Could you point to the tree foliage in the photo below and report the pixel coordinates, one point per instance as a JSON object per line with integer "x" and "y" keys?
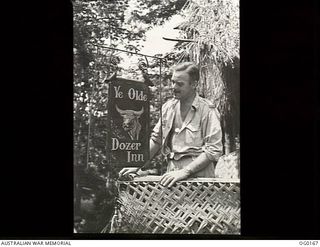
{"x": 155, "y": 12}
{"x": 213, "y": 27}
{"x": 123, "y": 24}
{"x": 119, "y": 24}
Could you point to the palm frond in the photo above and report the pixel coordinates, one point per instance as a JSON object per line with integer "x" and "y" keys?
{"x": 214, "y": 26}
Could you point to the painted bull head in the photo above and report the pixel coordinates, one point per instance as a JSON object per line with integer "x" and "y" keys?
{"x": 130, "y": 122}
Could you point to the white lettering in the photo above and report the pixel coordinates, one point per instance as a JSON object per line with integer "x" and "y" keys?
{"x": 119, "y": 94}
{"x": 137, "y": 95}
{"x": 115, "y": 144}
{"x": 131, "y": 93}
{"x": 134, "y": 157}
{"x": 124, "y": 145}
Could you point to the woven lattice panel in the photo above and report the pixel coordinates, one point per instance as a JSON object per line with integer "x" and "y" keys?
{"x": 195, "y": 206}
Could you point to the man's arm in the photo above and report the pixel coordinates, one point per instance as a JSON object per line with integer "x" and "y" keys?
{"x": 212, "y": 136}
{"x": 198, "y": 164}
{"x": 154, "y": 148}
{"x": 212, "y": 150}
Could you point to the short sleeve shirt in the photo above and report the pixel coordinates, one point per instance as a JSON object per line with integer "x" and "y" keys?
{"x": 199, "y": 132}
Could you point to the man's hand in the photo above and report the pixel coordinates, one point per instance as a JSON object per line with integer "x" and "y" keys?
{"x": 171, "y": 177}
{"x": 134, "y": 171}
{"x": 127, "y": 171}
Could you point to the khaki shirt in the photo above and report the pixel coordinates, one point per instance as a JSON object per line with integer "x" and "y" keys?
{"x": 200, "y": 132}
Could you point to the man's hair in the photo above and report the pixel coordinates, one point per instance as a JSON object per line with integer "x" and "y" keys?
{"x": 190, "y": 68}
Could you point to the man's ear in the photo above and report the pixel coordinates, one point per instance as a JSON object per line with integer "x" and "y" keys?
{"x": 195, "y": 84}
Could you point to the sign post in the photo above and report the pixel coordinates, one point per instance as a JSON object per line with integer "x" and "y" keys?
{"x": 129, "y": 123}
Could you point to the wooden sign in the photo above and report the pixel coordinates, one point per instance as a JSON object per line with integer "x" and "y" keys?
{"x": 129, "y": 123}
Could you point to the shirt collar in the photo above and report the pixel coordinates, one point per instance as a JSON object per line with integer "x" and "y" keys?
{"x": 195, "y": 103}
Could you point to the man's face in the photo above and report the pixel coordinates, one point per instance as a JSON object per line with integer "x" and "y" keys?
{"x": 182, "y": 85}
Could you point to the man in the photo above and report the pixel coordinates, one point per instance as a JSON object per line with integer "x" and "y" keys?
{"x": 191, "y": 132}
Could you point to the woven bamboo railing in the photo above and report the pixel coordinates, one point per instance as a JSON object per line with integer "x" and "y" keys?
{"x": 199, "y": 205}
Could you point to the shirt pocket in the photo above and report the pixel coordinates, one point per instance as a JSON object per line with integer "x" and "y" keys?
{"x": 193, "y": 135}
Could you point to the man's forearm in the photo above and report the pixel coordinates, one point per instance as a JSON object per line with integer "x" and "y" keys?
{"x": 198, "y": 164}
{"x": 154, "y": 148}
{"x": 169, "y": 178}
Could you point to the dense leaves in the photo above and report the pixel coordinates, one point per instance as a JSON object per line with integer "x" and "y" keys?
{"x": 213, "y": 27}
{"x": 97, "y": 25}
{"x": 122, "y": 24}
{"x": 155, "y": 11}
